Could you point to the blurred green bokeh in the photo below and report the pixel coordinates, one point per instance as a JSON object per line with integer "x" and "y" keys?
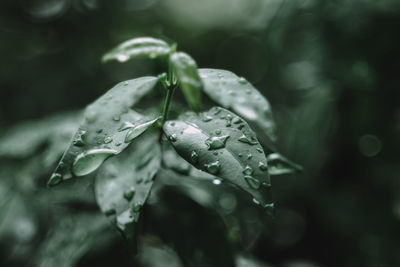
{"x": 330, "y": 69}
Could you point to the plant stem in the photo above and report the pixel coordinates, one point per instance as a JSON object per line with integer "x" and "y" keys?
{"x": 170, "y": 91}
{"x": 167, "y": 102}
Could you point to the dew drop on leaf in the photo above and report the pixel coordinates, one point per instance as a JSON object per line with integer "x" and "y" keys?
{"x": 217, "y": 142}
{"x": 89, "y": 161}
{"x": 137, "y": 207}
{"x": 269, "y": 209}
{"x": 253, "y": 183}
{"x": 55, "y": 179}
{"x": 213, "y": 167}
{"x": 242, "y": 80}
{"x": 108, "y": 140}
{"x": 125, "y": 126}
{"x": 194, "y": 156}
{"x": 246, "y": 140}
{"x": 262, "y": 166}
{"x": 129, "y": 193}
{"x": 207, "y": 118}
{"x": 217, "y": 181}
{"x": 173, "y": 138}
{"x": 248, "y": 170}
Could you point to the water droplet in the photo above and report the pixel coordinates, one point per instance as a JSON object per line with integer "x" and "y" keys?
{"x": 137, "y": 207}
{"x": 259, "y": 150}
{"x": 110, "y": 211}
{"x": 246, "y": 140}
{"x": 249, "y": 156}
{"x": 262, "y": 166}
{"x": 122, "y": 57}
{"x": 55, "y": 179}
{"x": 248, "y": 170}
{"x": 118, "y": 144}
{"x": 240, "y": 155}
{"x": 173, "y": 138}
{"x": 213, "y": 167}
{"x": 138, "y": 130}
{"x": 194, "y": 156}
{"x": 116, "y": 118}
{"x": 236, "y": 120}
{"x": 219, "y": 75}
{"x": 217, "y": 111}
{"x": 129, "y": 193}
{"x": 215, "y": 153}
{"x": 89, "y": 161}
{"x": 242, "y": 80}
{"x": 217, "y": 142}
{"x": 255, "y": 201}
{"x": 100, "y": 130}
{"x": 108, "y": 140}
{"x": 240, "y": 127}
{"x": 217, "y": 181}
{"x": 218, "y": 132}
{"x": 125, "y": 126}
{"x": 253, "y": 183}
{"x": 269, "y": 209}
{"x": 207, "y": 118}
{"x": 266, "y": 185}
{"x": 126, "y": 83}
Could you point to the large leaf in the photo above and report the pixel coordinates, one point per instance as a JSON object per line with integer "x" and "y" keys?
{"x": 237, "y": 94}
{"x": 138, "y": 47}
{"x": 123, "y": 184}
{"x": 108, "y": 126}
{"x": 222, "y": 144}
{"x": 26, "y": 138}
{"x": 185, "y": 69}
{"x": 278, "y": 164}
{"x": 71, "y": 239}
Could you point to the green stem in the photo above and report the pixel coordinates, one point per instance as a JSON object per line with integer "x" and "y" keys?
{"x": 167, "y": 103}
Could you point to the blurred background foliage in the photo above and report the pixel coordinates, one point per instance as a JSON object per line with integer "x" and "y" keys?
{"x": 330, "y": 69}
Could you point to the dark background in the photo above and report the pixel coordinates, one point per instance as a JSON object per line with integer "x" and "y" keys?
{"x": 330, "y": 69}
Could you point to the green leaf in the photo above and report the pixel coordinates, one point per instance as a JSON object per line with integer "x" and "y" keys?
{"x": 138, "y": 47}
{"x": 222, "y": 144}
{"x": 278, "y": 164}
{"x": 72, "y": 238}
{"x": 108, "y": 126}
{"x": 123, "y": 184}
{"x": 25, "y": 139}
{"x": 185, "y": 69}
{"x": 237, "y": 94}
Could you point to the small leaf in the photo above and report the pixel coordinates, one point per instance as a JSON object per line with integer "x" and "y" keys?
{"x": 185, "y": 69}
{"x": 231, "y": 160}
{"x": 278, "y": 164}
{"x": 138, "y": 47}
{"x": 103, "y": 132}
{"x": 123, "y": 184}
{"x": 237, "y": 94}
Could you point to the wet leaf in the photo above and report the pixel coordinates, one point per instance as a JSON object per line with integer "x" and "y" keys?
{"x": 71, "y": 239}
{"x": 240, "y": 160}
{"x": 185, "y": 69}
{"x": 278, "y": 164}
{"x": 53, "y": 132}
{"x": 123, "y": 184}
{"x": 138, "y": 47}
{"x": 102, "y": 133}
{"x": 239, "y": 95}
